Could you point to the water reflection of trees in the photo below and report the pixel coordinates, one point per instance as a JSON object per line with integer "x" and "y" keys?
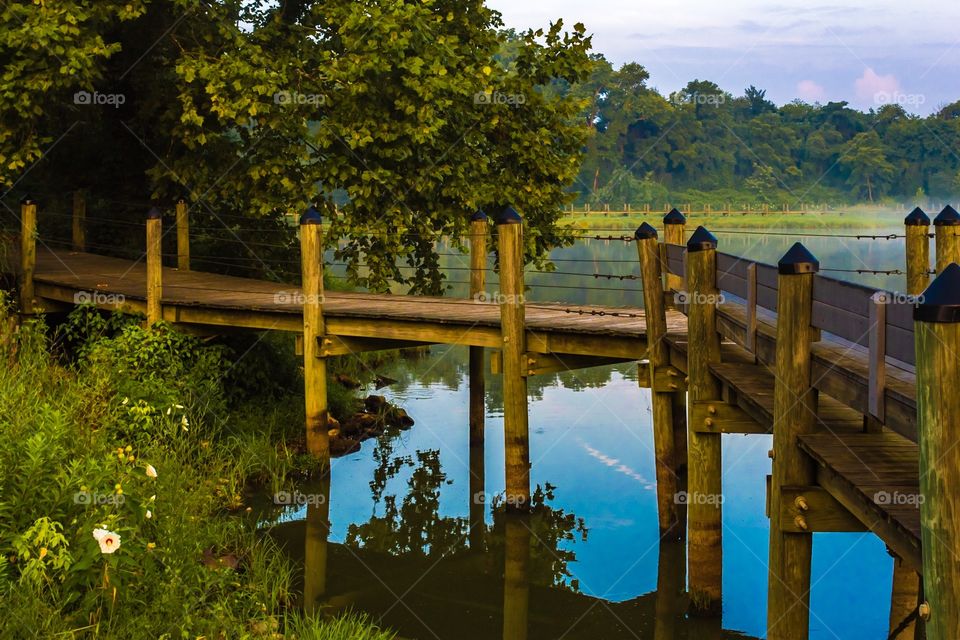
{"x": 410, "y": 524}
{"x": 447, "y": 366}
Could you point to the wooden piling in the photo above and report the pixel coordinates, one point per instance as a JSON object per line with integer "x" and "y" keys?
{"x": 917, "y": 226}
{"x": 937, "y": 331}
{"x": 904, "y": 600}
{"x": 183, "y": 236}
{"x": 704, "y": 498}
{"x": 154, "y": 266}
{"x": 674, "y": 233}
{"x": 479, "y": 231}
{"x": 512, "y": 321}
{"x": 674, "y": 230}
{"x": 947, "y": 224}
{"x": 794, "y": 414}
{"x": 905, "y": 591}
{"x": 648, "y": 249}
{"x": 28, "y": 254}
{"x": 79, "y": 220}
{"x": 314, "y": 366}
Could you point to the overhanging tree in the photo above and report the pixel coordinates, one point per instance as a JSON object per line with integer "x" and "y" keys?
{"x": 404, "y": 109}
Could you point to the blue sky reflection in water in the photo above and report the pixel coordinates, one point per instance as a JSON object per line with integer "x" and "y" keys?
{"x": 591, "y": 439}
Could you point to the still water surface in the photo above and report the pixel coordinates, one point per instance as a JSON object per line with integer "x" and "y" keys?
{"x": 401, "y": 546}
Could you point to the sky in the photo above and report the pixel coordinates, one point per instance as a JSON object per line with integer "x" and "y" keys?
{"x": 865, "y": 52}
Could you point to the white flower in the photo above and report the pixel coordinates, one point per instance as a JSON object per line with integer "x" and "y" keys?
{"x": 109, "y": 541}
{"x": 169, "y": 409}
{"x": 184, "y": 423}
{"x": 151, "y": 472}
{"x": 125, "y": 401}
{"x": 178, "y": 406}
{"x": 149, "y": 514}
{"x": 152, "y": 498}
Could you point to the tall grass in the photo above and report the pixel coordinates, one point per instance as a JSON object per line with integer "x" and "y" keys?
{"x": 133, "y": 433}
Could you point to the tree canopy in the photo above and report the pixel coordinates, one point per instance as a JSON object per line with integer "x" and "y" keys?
{"x": 705, "y": 138}
{"x": 411, "y": 114}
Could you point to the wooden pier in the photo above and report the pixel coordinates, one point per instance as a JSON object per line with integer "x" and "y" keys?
{"x": 856, "y": 385}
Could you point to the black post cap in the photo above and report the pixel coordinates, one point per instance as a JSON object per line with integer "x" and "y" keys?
{"x": 509, "y": 216}
{"x": 917, "y": 218}
{"x": 798, "y": 260}
{"x": 674, "y": 217}
{"x": 311, "y": 216}
{"x": 701, "y": 240}
{"x": 941, "y": 301}
{"x": 645, "y": 232}
{"x": 479, "y": 216}
{"x": 947, "y": 218}
{"x": 154, "y": 214}
{"x": 27, "y": 200}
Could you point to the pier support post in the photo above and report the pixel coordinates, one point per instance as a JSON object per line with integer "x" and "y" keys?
{"x": 917, "y": 226}
{"x": 154, "y": 266}
{"x": 674, "y": 230}
{"x": 937, "y": 331}
{"x": 704, "y": 499}
{"x": 648, "y": 248}
{"x": 674, "y": 233}
{"x": 314, "y": 367}
{"x": 79, "y": 219}
{"x": 905, "y": 591}
{"x": 947, "y": 224}
{"x": 512, "y": 321}
{"x": 183, "y": 236}
{"x": 315, "y": 392}
{"x": 28, "y": 254}
{"x": 479, "y": 231}
{"x": 794, "y": 414}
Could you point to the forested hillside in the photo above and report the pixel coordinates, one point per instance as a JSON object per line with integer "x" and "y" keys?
{"x": 650, "y": 147}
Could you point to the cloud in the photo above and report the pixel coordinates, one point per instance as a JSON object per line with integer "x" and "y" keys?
{"x": 871, "y": 85}
{"x": 810, "y": 91}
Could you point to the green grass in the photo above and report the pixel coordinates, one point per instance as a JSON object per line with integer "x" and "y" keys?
{"x": 856, "y": 218}
{"x": 84, "y": 414}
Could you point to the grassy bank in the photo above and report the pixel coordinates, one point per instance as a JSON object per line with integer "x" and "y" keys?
{"x": 123, "y": 478}
{"x": 863, "y": 218}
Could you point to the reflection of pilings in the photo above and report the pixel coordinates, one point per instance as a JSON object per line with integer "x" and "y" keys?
{"x": 671, "y": 587}
{"x": 479, "y": 230}
{"x": 315, "y": 545}
{"x": 516, "y": 577}
{"x": 477, "y": 500}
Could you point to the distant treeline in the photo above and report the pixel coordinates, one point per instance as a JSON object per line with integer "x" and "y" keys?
{"x": 704, "y": 140}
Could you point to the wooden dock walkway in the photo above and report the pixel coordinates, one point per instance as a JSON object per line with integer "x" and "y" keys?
{"x": 205, "y": 299}
{"x": 848, "y": 380}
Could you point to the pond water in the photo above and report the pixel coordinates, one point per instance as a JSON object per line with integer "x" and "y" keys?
{"x": 402, "y": 547}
